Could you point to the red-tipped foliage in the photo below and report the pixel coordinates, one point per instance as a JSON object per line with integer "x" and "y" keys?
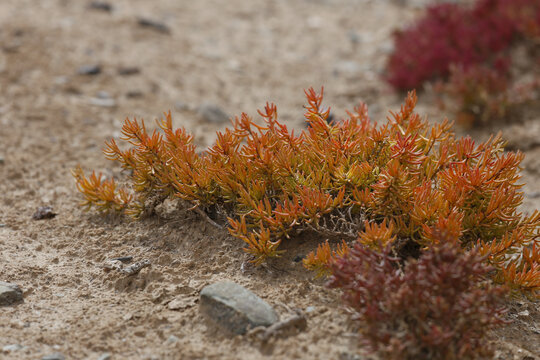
{"x": 450, "y": 34}
{"x": 436, "y": 307}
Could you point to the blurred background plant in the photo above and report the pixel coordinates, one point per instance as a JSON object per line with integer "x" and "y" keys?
{"x": 467, "y": 52}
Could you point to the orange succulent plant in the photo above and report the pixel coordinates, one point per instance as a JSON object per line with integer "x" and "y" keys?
{"x": 397, "y": 183}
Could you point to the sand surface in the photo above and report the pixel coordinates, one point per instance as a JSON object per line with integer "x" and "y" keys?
{"x": 236, "y": 54}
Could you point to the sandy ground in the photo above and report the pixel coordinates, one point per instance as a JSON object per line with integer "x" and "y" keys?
{"x": 236, "y": 54}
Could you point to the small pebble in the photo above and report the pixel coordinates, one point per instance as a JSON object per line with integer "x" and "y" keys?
{"x": 132, "y": 94}
{"x": 100, "y": 5}
{"x": 354, "y": 37}
{"x": 212, "y": 113}
{"x": 136, "y": 267}
{"x": 12, "y": 347}
{"x": 105, "y": 356}
{"x": 55, "y": 356}
{"x": 107, "y": 102}
{"x": 172, "y": 339}
{"x": 61, "y": 80}
{"x": 103, "y": 95}
{"x": 181, "y": 106}
{"x": 123, "y": 259}
{"x": 112, "y": 265}
{"x": 386, "y": 47}
{"x": 346, "y": 67}
{"x": 154, "y": 25}
{"x": 44, "y": 212}
{"x": 1, "y": 160}
{"x": 128, "y": 70}
{"x": 89, "y": 70}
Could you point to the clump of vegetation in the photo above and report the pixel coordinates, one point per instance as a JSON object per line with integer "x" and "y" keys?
{"x": 481, "y": 94}
{"x": 436, "y": 307}
{"x": 451, "y": 34}
{"x": 401, "y": 182}
{"x": 469, "y": 47}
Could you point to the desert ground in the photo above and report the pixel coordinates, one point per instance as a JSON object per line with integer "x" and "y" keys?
{"x": 71, "y": 73}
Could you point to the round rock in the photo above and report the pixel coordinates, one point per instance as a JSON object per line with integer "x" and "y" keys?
{"x": 212, "y": 113}
{"x": 9, "y": 293}
{"x": 235, "y": 308}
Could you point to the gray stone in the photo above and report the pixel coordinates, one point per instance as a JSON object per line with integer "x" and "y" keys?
{"x": 61, "y": 80}
{"x": 181, "y": 106}
{"x": 102, "y": 102}
{"x": 100, "y": 5}
{"x": 172, "y": 339}
{"x": 44, "y": 212}
{"x": 55, "y": 356}
{"x": 123, "y": 259}
{"x": 103, "y": 95}
{"x": 387, "y": 47}
{"x": 9, "y": 293}
{"x": 12, "y": 347}
{"x": 235, "y": 308}
{"x": 153, "y": 25}
{"x": 354, "y": 37}
{"x": 105, "y": 356}
{"x": 212, "y": 113}
{"x": 128, "y": 70}
{"x": 102, "y": 99}
{"x": 89, "y": 70}
{"x": 346, "y": 67}
{"x": 132, "y": 94}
